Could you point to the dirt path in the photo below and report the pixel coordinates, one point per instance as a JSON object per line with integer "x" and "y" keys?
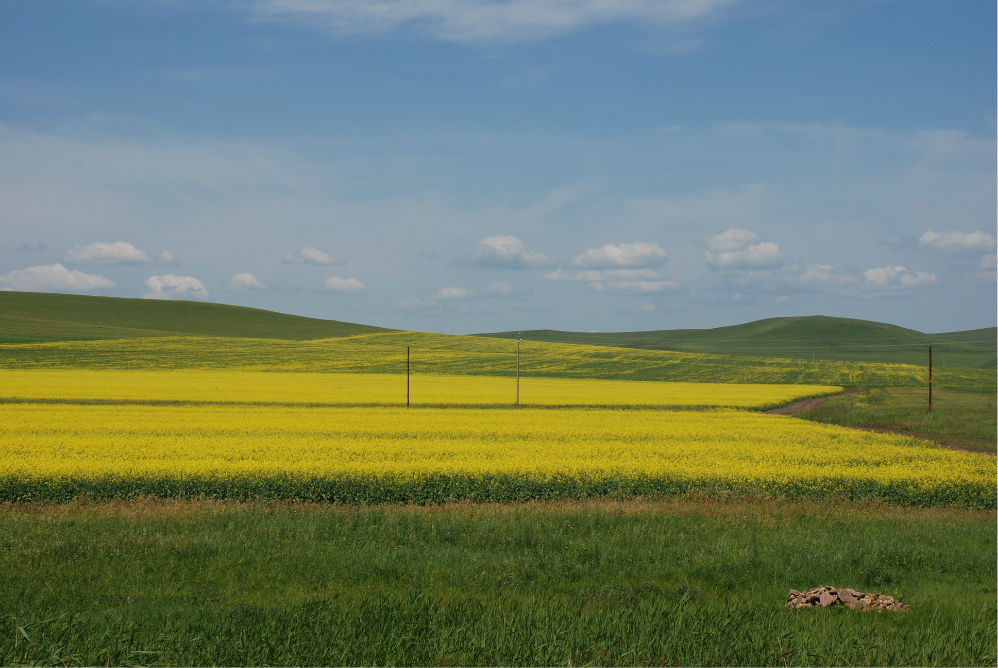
{"x": 808, "y": 404}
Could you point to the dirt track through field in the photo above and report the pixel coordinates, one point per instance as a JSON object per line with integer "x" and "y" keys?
{"x": 808, "y": 404}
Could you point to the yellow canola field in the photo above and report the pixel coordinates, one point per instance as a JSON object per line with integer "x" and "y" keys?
{"x": 383, "y": 389}
{"x": 393, "y": 455}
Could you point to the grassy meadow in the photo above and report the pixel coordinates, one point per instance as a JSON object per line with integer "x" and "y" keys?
{"x": 193, "y": 484}
{"x": 959, "y": 419}
{"x": 692, "y": 582}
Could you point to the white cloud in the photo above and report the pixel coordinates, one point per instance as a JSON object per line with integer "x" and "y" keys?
{"x": 763, "y": 255}
{"x": 168, "y": 258}
{"x": 952, "y": 241}
{"x": 503, "y": 250}
{"x": 621, "y": 280}
{"x": 174, "y": 287}
{"x": 104, "y": 253}
{"x": 347, "y": 286}
{"x": 731, "y": 250}
{"x": 734, "y": 239}
{"x": 311, "y": 255}
{"x": 637, "y": 254}
{"x": 245, "y": 282}
{"x": 821, "y": 278}
{"x": 891, "y": 278}
{"x": 450, "y": 293}
{"x": 53, "y": 278}
{"x": 482, "y": 20}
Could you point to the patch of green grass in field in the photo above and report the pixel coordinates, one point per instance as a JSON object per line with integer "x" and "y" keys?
{"x": 963, "y": 419}
{"x": 27, "y": 317}
{"x": 625, "y": 583}
{"x": 803, "y": 337}
{"x": 466, "y": 355}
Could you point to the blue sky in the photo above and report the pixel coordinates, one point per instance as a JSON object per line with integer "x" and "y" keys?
{"x": 479, "y": 166}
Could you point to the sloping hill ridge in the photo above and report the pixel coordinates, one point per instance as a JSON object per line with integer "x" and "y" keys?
{"x": 803, "y": 337}
{"x": 32, "y": 317}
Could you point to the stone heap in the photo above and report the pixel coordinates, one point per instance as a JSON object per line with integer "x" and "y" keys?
{"x": 826, "y": 596}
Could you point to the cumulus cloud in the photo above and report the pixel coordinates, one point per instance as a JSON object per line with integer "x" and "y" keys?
{"x": 53, "y": 278}
{"x": 450, "y": 293}
{"x": 821, "y": 278}
{"x": 888, "y": 278}
{"x": 311, "y": 255}
{"x": 174, "y": 287}
{"x": 621, "y": 280}
{"x": 506, "y": 251}
{"x": 482, "y": 20}
{"x": 637, "y": 254}
{"x": 734, "y": 251}
{"x": 105, "y": 253}
{"x": 347, "y": 286}
{"x": 245, "y": 282}
{"x": 953, "y": 241}
{"x": 734, "y": 239}
{"x": 167, "y": 258}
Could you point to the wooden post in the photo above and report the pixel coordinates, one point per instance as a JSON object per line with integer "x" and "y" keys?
{"x": 517, "y": 369}
{"x": 930, "y": 379}
{"x": 407, "y": 376}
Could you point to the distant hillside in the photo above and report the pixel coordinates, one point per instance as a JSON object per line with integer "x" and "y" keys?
{"x": 27, "y": 317}
{"x": 820, "y": 337}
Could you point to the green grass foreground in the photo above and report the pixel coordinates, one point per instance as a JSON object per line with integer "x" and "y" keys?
{"x": 961, "y": 419}
{"x": 603, "y": 583}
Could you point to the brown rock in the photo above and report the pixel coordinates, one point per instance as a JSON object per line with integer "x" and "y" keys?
{"x": 848, "y": 597}
{"x": 794, "y": 592}
{"x": 827, "y": 599}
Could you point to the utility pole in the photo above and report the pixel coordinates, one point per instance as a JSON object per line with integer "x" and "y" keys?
{"x": 930, "y": 379}
{"x": 517, "y": 369}
{"x": 407, "y": 376}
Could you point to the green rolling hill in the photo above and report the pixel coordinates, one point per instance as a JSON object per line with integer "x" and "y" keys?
{"x": 27, "y": 317}
{"x": 70, "y": 331}
{"x": 804, "y": 337}
{"x": 33, "y": 317}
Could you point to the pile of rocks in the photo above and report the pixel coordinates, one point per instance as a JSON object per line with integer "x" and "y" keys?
{"x": 826, "y": 596}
